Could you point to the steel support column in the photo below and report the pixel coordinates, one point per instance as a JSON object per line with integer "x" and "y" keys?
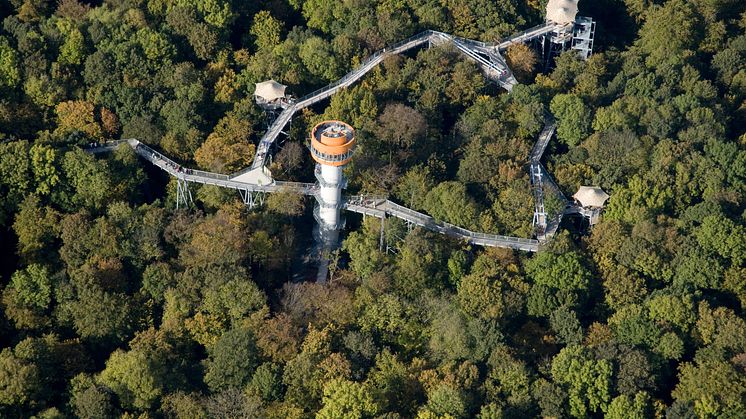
{"x": 252, "y": 198}
{"x": 183, "y": 194}
{"x": 381, "y": 240}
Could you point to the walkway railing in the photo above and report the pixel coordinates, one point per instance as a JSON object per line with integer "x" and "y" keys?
{"x": 203, "y": 177}
{"x": 526, "y": 35}
{"x": 379, "y": 207}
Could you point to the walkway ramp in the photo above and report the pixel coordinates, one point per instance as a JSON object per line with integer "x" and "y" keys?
{"x": 552, "y": 186}
{"x": 546, "y": 134}
{"x": 203, "y": 177}
{"x": 380, "y": 207}
{"x": 527, "y": 35}
{"x": 488, "y": 59}
{"x": 543, "y": 184}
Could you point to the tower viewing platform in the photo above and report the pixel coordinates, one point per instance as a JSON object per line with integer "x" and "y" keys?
{"x": 332, "y": 143}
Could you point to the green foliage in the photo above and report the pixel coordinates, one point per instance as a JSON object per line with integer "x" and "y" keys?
{"x": 45, "y": 168}
{"x": 714, "y": 387}
{"x": 266, "y": 29}
{"x": 670, "y": 30}
{"x": 670, "y": 346}
{"x": 567, "y": 326}
{"x": 392, "y": 385}
{"x": 72, "y": 50}
{"x": 365, "y": 257}
{"x": 98, "y": 314}
{"x": 156, "y": 279}
{"x": 10, "y": 75}
{"x": 414, "y": 186}
{"x": 19, "y": 379}
{"x": 89, "y": 399}
{"x": 633, "y": 408}
{"x": 346, "y": 399}
{"x": 232, "y": 361}
{"x": 672, "y": 310}
{"x": 566, "y": 272}
{"x": 140, "y": 376}
{"x": 266, "y": 382}
{"x": 488, "y": 292}
{"x": 508, "y": 379}
{"x": 33, "y": 286}
{"x": 16, "y": 170}
{"x": 421, "y": 264}
{"x": 631, "y": 324}
{"x": 317, "y": 57}
{"x": 573, "y": 116}
{"x": 550, "y": 397}
{"x": 37, "y": 228}
{"x": 449, "y": 338}
{"x": 588, "y": 380}
{"x": 133, "y": 378}
{"x": 357, "y": 105}
{"x": 90, "y": 179}
{"x": 446, "y": 400}
{"x": 724, "y": 237}
{"x": 449, "y": 202}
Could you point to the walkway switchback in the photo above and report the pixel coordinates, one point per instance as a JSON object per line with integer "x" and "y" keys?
{"x": 542, "y": 182}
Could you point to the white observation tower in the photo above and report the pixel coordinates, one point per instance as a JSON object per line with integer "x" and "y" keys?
{"x": 332, "y": 145}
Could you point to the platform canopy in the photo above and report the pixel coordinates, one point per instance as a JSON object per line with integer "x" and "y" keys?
{"x": 562, "y": 11}
{"x": 591, "y": 196}
{"x": 270, "y": 90}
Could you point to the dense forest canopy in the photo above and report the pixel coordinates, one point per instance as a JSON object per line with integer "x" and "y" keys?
{"x": 116, "y": 304}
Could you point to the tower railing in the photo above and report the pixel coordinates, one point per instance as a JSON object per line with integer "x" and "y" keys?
{"x": 340, "y": 225}
{"x": 335, "y": 158}
{"x": 342, "y": 184}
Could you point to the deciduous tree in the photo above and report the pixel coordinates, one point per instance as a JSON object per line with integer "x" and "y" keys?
{"x": 574, "y": 118}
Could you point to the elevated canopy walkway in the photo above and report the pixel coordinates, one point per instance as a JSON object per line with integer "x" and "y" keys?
{"x": 527, "y": 35}
{"x": 381, "y": 207}
{"x": 544, "y": 136}
{"x": 542, "y": 183}
{"x": 203, "y": 177}
{"x": 256, "y": 179}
